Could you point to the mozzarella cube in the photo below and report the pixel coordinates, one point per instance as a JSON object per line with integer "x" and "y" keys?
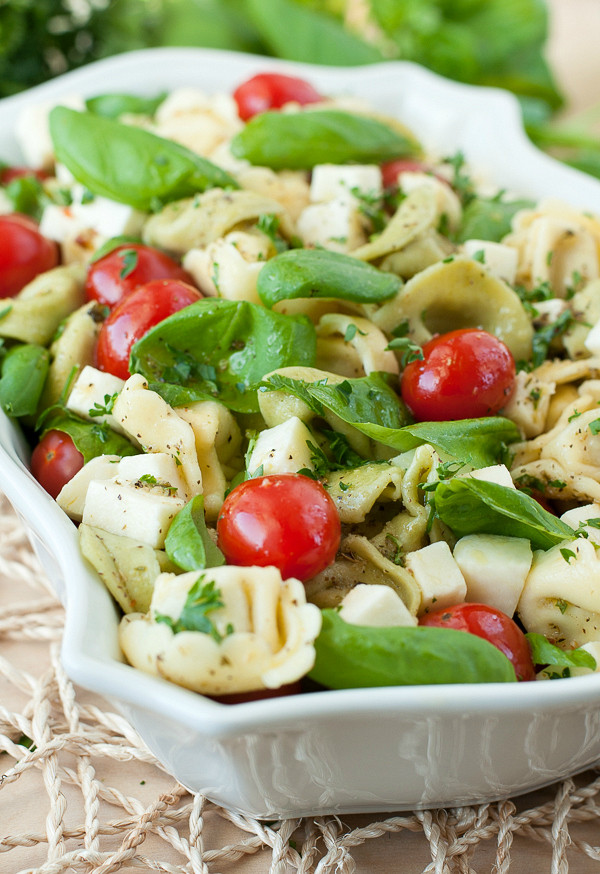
{"x": 496, "y": 473}
{"x": 375, "y": 606}
{"x": 107, "y": 217}
{"x": 438, "y": 576}
{"x": 159, "y": 467}
{"x": 336, "y": 225}
{"x": 94, "y": 389}
{"x": 344, "y": 181}
{"x": 131, "y": 509}
{"x": 495, "y": 568}
{"x": 500, "y": 260}
{"x": 72, "y": 496}
{"x": 282, "y": 449}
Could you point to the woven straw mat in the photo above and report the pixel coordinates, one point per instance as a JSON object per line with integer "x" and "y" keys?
{"x": 79, "y": 792}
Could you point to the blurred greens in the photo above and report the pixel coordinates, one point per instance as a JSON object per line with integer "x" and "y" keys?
{"x": 487, "y": 42}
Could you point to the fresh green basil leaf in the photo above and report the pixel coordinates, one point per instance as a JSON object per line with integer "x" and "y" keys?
{"x": 24, "y": 371}
{"x": 489, "y": 218}
{"x": 473, "y": 506}
{"x": 91, "y": 438}
{"x": 374, "y": 409}
{"x": 114, "y": 105}
{"x": 188, "y": 543}
{"x": 320, "y": 273}
{"x": 545, "y": 653}
{"x": 111, "y": 244}
{"x": 355, "y": 656}
{"x": 129, "y": 164}
{"x": 300, "y": 140}
{"x": 220, "y": 349}
{"x": 27, "y": 195}
{"x": 309, "y": 35}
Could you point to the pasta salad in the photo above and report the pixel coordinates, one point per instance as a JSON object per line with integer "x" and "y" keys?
{"x": 322, "y": 406}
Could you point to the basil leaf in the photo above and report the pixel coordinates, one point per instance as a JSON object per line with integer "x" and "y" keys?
{"x": 220, "y": 349}
{"x": 321, "y": 273}
{"x": 545, "y": 653}
{"x": 354, "y": 656}
{"x": 114, "y": 105}
{"x": 111, "y": 244}
{"x": 309, "y": 35}
{"x": 472, "y": 506}
{"x": 188, "y": 544}
{"x": 300, "y": 140}
{"x": 128, "y": 164}
{"x": 489, "y": 218}
{"x": 374, "y": 409}
{"x": 91, "y": 438}
{"x": 24, "y": 372}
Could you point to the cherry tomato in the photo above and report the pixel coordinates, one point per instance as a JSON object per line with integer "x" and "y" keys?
{"x": 491, "y": 624}
{"x": 24, "y": 253}
{"x": 465, "y": 374}
{"x": 134, "y": 316}
{"x": 117, "y": 274}
{"x": 55, "y": 460}
{"x": 272, "y": 91}
{"x": 8, "y": 174}
{"x": 391, "y": 169}
{"x": 286, "y": 520}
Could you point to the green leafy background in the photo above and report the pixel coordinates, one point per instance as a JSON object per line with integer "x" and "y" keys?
{"x": 489, "y": 42}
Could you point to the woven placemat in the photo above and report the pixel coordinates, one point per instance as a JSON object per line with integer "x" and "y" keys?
{"x": 79, "y": 792}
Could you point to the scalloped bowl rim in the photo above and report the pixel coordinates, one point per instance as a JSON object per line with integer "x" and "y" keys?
{"x": 90, "y": 654}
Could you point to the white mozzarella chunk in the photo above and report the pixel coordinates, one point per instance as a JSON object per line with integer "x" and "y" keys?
{"x": 33, "y": 132}
{"x": 106, "y": 217}
{"x": 495, "y": 568}
{"x": 438, "y": 576}
{"x": 578, "y": 516}
{"x": 335, "y": 225}
{"x": 496, "y": 473}
{"x": 72, "y": 496}
{"x": 282, "y": 449}
{"x": 500, "y": 260}
{"x": 375, "y": 606}
{"x": 142, "y": 512}
{"x": 94, "y": 389}
{"x": 345, "y": 181}
{"x": 154, "y": 468}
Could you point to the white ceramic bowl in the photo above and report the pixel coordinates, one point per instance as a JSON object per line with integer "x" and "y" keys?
{"x": 341, "y": 751}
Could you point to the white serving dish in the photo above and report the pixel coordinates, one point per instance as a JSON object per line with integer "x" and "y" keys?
{"x": 341, "y": 751}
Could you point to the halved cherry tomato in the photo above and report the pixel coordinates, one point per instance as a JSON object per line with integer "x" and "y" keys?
{"x": 272, "y": 91}
{"x": 55, "y": 460}
{"x": 391, "y": 169}
{"x": 9, "y": 174}
{"x": 286, "y": 520}
{"x": 464, "y": 374}
{"x": 117, "y": 274}
{"x": 491, "y": 624}
{"x": 24, "y": 253}
{"x": 134, "y": 316}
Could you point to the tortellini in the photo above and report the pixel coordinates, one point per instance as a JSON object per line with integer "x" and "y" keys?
{"x": 261, "y": 631}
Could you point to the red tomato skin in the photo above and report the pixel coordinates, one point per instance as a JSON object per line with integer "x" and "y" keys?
{"x": 491, "y": 624}
{"x": 110, "y": 279}
{"x": 24, "y": 253}
{"x": 272, "y": 91}
{"x": 9, "y": 174}
{"x": 55, "y": 460}
{"x": 391, "y": 169}
{"x": 286, "y": 520}
{"x": 258, "y": 694}
{"x": 465, "y": 374}
{"x": 145, "y": 307}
